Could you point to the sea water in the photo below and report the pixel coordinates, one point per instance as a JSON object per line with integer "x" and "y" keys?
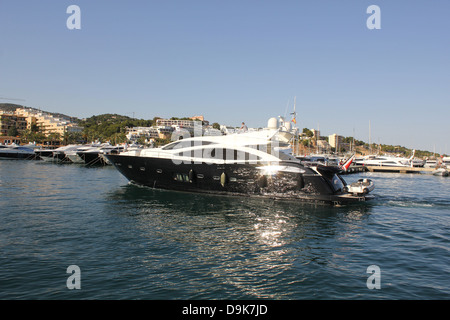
{"x": 131, "y": 242}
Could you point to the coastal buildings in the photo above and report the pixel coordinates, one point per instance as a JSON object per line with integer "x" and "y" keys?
{"x": 335, "y": 140}
{"x": 47, "y": 123}
{"x": 164, "y": 128}
{"x": 188, "y": 124}
{"x": 21, "y": 121}
{"x": 136, "y": 133}
{"x": 9, "y": 121}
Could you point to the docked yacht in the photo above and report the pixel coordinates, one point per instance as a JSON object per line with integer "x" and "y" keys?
{"x": 76, "y": 155}
{"x": 250, "y": 164}
{"x": 15, "y": 151}
{"x": 389, "y": 161}
{"x": 96, "y": 156}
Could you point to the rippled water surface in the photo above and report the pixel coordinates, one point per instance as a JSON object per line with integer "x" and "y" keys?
{"x": 138, "y": 243}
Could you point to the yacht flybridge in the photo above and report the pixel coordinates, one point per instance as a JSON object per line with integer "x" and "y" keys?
{"x": 255, "y": 164}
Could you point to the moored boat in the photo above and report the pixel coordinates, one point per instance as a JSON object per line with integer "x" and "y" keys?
{"x": 16, "y": 152}
{"x": 96, "y": 156}
{"x": 443, "y": 172}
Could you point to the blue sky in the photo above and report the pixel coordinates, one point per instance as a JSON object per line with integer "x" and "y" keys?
{"x": 234, "y": 61}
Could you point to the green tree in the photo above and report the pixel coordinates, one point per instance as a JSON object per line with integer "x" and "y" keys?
{"x": 306, "y": 142}
{"x": 12, "y": 131}
{"x": 308, "y": 132}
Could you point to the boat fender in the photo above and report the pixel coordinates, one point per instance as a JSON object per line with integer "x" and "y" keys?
{"x": 223, "y": 179}
{"x": 191, "y": 176}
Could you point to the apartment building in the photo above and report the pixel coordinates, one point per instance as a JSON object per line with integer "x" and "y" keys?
{"x": 335, "y": 140}
{"x": 11, "y": 120}
{"x": 47, "y": 123}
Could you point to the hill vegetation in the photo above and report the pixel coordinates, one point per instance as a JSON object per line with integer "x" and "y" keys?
{"x": 9, "y": 107}
{"x": 110, "y": 127}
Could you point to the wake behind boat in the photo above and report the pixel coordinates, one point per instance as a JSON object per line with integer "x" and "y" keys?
{"x": 250, "y": 164}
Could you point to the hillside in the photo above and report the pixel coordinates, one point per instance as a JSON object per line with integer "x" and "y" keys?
{"x": 9, "y": 107}
{"x": 110, "y": 127}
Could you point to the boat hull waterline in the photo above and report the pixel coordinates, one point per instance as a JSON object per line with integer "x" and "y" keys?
{"x": 290, "y": 181}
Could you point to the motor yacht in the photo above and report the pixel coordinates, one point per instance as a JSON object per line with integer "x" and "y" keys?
{"x": 15, "y": 151}
{"x": 96, "y": 156}
{"x": 389, "y": 161}
{"x": 242, "y": 164}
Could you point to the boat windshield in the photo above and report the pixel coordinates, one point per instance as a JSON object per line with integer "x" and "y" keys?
{"x": 337, "y": 183}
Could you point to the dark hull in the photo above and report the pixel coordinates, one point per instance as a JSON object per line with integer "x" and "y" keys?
{"x": 91, "y": 158}
{"x": 61, "y": 157}
{"x": 44, "y": 153}
{"x": 16, "y": 155}
{"x": 231, "y": 179}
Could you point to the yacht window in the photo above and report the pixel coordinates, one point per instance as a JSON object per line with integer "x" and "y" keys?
{"x": 177, "y": 145}
{"x": 186, "y": 144}
{"x": 182, "y": 177}
{"x": 210, "y": 153}
{"x": 283, "y": 156}
{"x": 171, "y": 146}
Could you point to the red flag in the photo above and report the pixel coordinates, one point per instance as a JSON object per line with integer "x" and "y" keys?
{"x": 348, "y": 163}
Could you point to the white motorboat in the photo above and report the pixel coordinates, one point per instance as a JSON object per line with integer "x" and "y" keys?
{"x": 362, "y": 186}
{"x": 443, "y": 172}
{"x": 15, "y": 151}
{"x": 389, "y": 161}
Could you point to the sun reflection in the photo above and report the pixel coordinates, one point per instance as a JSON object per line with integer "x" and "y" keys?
{"x": 270, "y": 230}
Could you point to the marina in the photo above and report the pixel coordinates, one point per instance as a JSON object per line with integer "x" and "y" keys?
{"x": 253, "y": 164}
{"x": 133, "y": 242}
{"x": 225, "y": 159}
